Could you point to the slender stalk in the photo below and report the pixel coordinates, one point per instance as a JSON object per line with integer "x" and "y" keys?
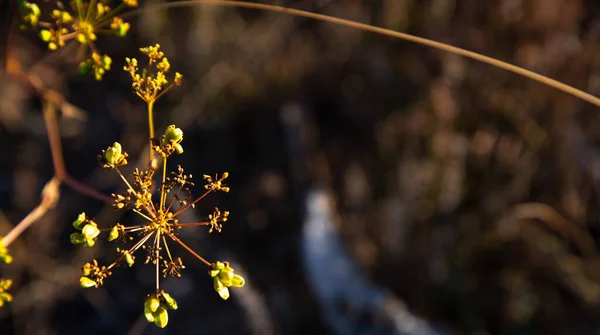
{"x": 156, "y": 256}
{"x": 173, "y": 199}
{"x": 141, "y": 214}
{"x": 163, "y": 193}
{"x": 91, "y": 5}
{"x": 140, "y": 243}
{"x": 195, "y": 224}
{"x": 179, "y": 211}
{"x": 151, "y": 128}
{"x": 167, "y": 247}
{"x": 174, "y": 238}
{"x": 382, "y": 31}
{"x": 131, "y": 250}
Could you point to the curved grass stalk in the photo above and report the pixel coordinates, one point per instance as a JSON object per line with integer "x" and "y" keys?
{"x": 381, "y": 31}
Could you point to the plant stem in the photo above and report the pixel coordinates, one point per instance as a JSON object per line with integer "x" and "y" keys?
{"x": 50, "y": 196}
{"x": 163, "y": 193}
{"x": 174, "y": 238}
{"x": 179, "y": 211}
{"x": 156, "y": 259}
{"x": 151, "y": 128}
{"x": 382, "y": 31}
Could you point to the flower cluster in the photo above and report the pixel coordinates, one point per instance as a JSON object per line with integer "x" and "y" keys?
{"x": 160, "y": 228}
{"x": 81, "y": 21}
{"x": 152, "y": 83}
{"x": 223, "y": 277}
{"x": 155, "y": 308}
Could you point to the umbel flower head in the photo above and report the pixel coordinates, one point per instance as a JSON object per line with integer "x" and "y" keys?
{"x": 152, "y": 82}
{"x": 82, "y": 21}
{"x": 159, "y": 232}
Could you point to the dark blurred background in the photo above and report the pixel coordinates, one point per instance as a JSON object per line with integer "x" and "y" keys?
{"x": 468, "y": 193}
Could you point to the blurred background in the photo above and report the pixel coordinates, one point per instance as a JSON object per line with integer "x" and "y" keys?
{"x": 458, "y": 198}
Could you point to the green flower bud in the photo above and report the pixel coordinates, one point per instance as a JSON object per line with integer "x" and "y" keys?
{"x": 113, "y": 154}
{"x": 79, "y": 223}
{"x": 221, "y": 289}
{"x": 170, "y": 301}
{"x": 237, "y": 281}
{"x": 129, "y": 258}
{"x": 149, "y": 315}
{"x": 45, "y": 35}
{"x": 152, "y": 303}
{"x": 90, "y": 231}
{"x": 85, "y": 67}
{"x": 174, "y": 136}
{"x": 106, "y": 62}
{"x": 113, "y": 234}
{"x": 77, "y": 238}
{"x": 225, "y": 277}
{"x": 161, "y": 317}
{"x": 122, "y": 29}
{"x": 86, "y": 282}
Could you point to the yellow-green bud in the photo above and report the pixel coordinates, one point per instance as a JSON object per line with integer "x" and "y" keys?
{"x": 220, "y": 288}
{"x": 169, "y": 301}
{"x": 113, "y": 154}
{"x": 237, "y": 281}
{"x": 225, "y": 276}
{"x": 174, "y": 136}
{"x": 77, "y": 238}
{"x": 129, "y": 258}
{"x": 86, "y": 282}
{"x": 161, "y": 317}
{"x": 152, "y": 303}
{"x": 90, "y": 231}
{"x": 79, "y": 223}
{"x": 113, "y": 234}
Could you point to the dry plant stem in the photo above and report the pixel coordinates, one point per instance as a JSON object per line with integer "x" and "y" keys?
{"x": 50, "y": 196}
{"x": 174, "y": 238}
{"x": 382, "y": 31}
{"x": 57, "y": 156}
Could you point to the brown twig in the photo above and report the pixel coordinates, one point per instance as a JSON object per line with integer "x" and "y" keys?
{"x": 57, "y": 156}
{"x": 50, "y": 196}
